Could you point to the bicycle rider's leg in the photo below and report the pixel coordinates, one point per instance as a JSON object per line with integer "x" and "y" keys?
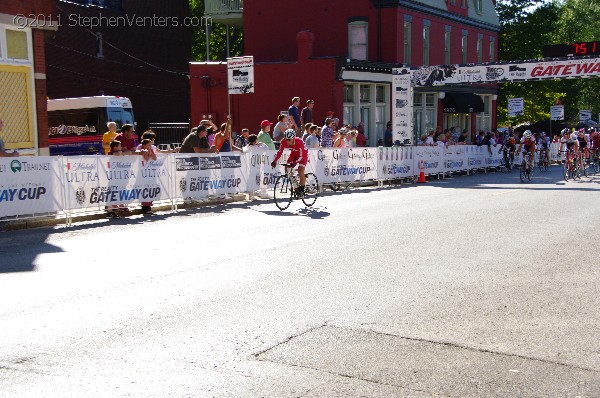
{"x": 302, "y": 176}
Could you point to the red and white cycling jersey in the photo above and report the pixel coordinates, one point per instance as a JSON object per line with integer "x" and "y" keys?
{"x": 299, "y": 154}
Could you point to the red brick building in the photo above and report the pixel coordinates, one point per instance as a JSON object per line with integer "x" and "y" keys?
{"x": 340, "y": 53}
{"x": 138, "y": 49}
{"x": 24, "y": 25}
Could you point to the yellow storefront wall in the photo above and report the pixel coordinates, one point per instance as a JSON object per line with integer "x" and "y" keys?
{"x": 16, "y": 93}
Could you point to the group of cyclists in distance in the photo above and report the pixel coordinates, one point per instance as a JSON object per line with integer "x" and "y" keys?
{"x": 577, "y": 144}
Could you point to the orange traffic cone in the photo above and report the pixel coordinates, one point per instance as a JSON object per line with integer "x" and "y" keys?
{"x": 422, "y": 173}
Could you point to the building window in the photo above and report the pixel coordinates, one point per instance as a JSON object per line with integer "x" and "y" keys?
{"x": 357, "y": 40}
{"x": 348, "y": 93}
{"x": 447, "y": 43}
{"x": 492, "y": 49}
{"x": 426, "y": 45}
{"x": 484, "y": 120}
{"x": 478, "y": 6}
{"x": 16, "y": 44}
{"x": 480, "y": 49}
{"x": 365, "y": 94}
{"x": 424, "y": 113}
{"x": 380, "y": 94}
{"x": 463, "y": 3}
{"x": 453, "y": 2}
{"x": 407, "y": 41}
{"x": 464, "y": 45}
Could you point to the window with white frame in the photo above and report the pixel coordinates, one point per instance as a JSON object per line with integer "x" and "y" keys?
{"x": 463, "y": 3}
{"x": 407, "y": 39}
{"x": 15, "y": 45}
{"x": 358, "y": 40}
{"x": 424, "y": 113}
{"x": 447, "y": 44}
{"x": 480, "y": 48}
{"x": 492, "y": 49}
{"x": 426, "y": 28}
{"x": 478, "y": 6}
{"x": 484, "y": 119}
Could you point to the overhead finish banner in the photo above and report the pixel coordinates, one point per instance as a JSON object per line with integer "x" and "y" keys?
{"x": 240, "y": 75}
{"x": 461, "y": 74}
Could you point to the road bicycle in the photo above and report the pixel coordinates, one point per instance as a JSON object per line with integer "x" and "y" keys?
{"x": 571, "y": 168}
{"x": 506, "y": 164}
{"x": 584, "y": 158}
{"x": 526, "y": 172}
{"x": 543, "y": 161}
{"x": 286, "y": 187}
{"x": 594, "y": 161}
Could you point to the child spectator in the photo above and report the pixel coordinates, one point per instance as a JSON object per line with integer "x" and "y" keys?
{"x": 147, "y": 153}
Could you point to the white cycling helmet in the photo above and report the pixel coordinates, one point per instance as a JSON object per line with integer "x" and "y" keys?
{"x": 565, "y": 131}
{"x": 528, "y": 134}
{"x": 289, "y": 134}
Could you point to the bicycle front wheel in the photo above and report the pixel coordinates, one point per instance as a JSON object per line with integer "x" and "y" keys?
{"x": 585, "y": 167}
{"x": 283, "y": 192}
{"x": 523, "y": 171}
{"x": 311, "y": 190}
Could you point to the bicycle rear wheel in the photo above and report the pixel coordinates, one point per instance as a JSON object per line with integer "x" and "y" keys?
{"x": 595, "y": 166}
{"x": 585, "y": 167}
{"x": 282, "y": 193}
{"x": 311, "y": 190}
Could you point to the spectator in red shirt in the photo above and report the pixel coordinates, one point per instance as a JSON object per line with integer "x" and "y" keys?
{"x": 361, "y": 140}
{"x": 126, "y": 139}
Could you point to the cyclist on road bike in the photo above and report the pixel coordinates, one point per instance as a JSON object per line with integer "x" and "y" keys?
{"x": 570, "y": 140}
{"x": 543, "y": 142}
{"x": 509, "y": 144}
{"x": 298, "y": 156}
{"x": 582, "y": 141}
{"x": 528, "y": 142}
{"x": 594, "y": 138}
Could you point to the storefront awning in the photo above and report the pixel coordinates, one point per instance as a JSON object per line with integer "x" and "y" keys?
{"x": 462, "y": 103}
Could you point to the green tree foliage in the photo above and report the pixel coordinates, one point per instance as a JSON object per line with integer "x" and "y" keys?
{"x": 217, "y": 37}
{"x": 525, "y": 29}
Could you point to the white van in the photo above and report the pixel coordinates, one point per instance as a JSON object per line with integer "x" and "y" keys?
{"x": 76, "y": 125}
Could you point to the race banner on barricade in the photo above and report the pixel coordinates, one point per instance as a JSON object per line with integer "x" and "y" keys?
{"x": 495, "y": 159}
{"x": 30, "y": 185}
{"x": 200, "y": 176}
{"x": 433, "y": 159}
{"x": 109, "y": 180}
{"x": 476, "y": 156}
{"x": 554, "y": 155}
{"x": 258, "y": 172}
{"x": 344, "y": 164}
{"x": 395, "y": 162}
{"x": 455, "y": 158}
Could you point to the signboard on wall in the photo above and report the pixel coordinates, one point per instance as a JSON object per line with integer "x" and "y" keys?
{"x": 240, "y": 75}
{"x": 402, "y": 99}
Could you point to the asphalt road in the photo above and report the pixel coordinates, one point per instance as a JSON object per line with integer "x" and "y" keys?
{"x": 474, "y": 286}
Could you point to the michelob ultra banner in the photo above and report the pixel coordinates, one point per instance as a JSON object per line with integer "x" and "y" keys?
{"x": 200, "y": 176}
{"x": 258, "y": 171}
{"x": 110, "y": 180}
{"x": 30, "y": 185}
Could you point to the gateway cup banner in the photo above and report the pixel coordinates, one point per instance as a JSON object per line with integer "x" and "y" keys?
{"x": 30, "y": 186}
{"x": 198, "y": 177}
{"x": 110, "y": 180}
{"x": 457, "y": 74}
{"x": 343, "y": 164}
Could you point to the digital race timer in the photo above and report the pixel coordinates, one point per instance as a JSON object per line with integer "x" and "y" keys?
{"x": 572, "y": 50}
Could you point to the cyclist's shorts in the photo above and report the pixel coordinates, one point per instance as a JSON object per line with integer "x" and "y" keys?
{"x": 294, "y": 159}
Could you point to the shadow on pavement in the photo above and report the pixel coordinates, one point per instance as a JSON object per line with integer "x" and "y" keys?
{"x": 19, "y": 251}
